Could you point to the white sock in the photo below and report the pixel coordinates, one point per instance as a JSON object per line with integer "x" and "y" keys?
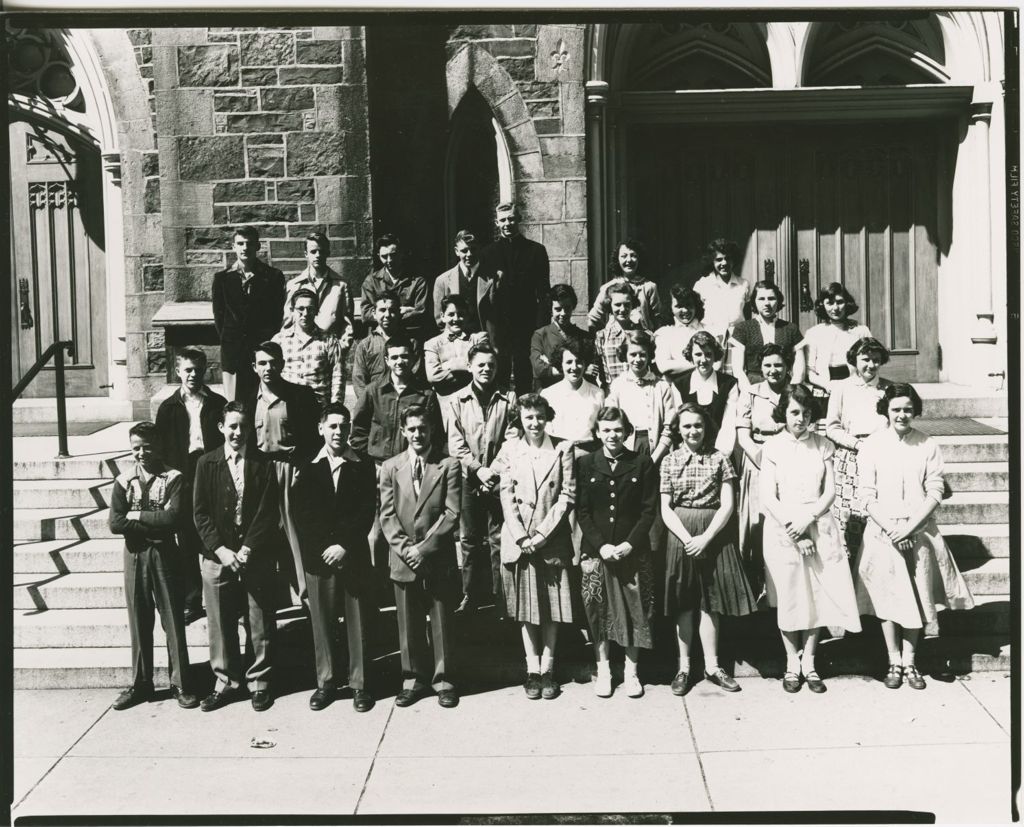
{"x": 793, "y": 664}
{"x": 603, "y": 667}
{"x": 547, "y": 663}
{"x": 684, "y": 665}
{"x": 710, "y": 663}
{"x": 807, "y": 663}
{"x": 628, "y": 667}
{"x": 533, "y": 664}
{"x": 908, "y": 660}
{"x": 894, "y": 658}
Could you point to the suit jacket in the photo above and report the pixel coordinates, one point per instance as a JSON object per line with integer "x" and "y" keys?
{"x": 535, "y": 502}
{"x": 616, "y": 506}
{"x": 522, "y": 292}
{"x": 546, "y": 340}
{"x": 244, "y": 319}
{"x": 482, "y": 310}
{"x": 428, "y": 521}
{"x": 173, "y": 426}
{"x": 214, "y": 498}
{"x": 303, "y": 415}
{"x": 377, "y": 422}
{"x": 324, "y": 517}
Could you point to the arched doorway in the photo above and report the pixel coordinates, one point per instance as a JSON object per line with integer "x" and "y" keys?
{"x": 471, "y": 168}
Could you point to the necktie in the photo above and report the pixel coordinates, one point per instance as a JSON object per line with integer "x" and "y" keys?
{"x": 239, "y": 480}
{"x": 417, "y": 474}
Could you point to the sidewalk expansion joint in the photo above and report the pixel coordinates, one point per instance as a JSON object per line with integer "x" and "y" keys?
{"x": 696, "y": 753}
{"x": 376, "y": 752}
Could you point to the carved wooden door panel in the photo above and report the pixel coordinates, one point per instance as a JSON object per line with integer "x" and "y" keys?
{"x": 57, "y": 253}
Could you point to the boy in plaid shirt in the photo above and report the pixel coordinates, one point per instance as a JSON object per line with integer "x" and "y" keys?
{"x": 145, "y": 507}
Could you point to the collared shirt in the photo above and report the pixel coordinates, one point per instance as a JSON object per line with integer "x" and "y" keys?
{"x": 334, "y": 462}
{"x": 273, "y": 436}
{"x": 477, "y": 429}
{"x": 314, "y": 360}
{"x": 703, "y": 388}
{"x": 194, "y": 406}
{"x": 767, "y": 329}
{"x": 827, "y": 345}
{"x": 608, "y": 340}
{"x": 612, "y": 461}
{"x": 852, "y": 410}
{"x": 411, "y": 290}
{"x": 576, "y": 409}
{"x": 723, "y": 302}
{"x": 236, "y": 465}
{"x": 797, "y": 466}
{"x": 368, "y": 362}
{"x": 636, "y": 398}
{"x": 755, "y": 411}
{"x": 417, "y": 480}
{"x": 446, "y": 360}
{"x": 335, "y": 298}
{"x": 695, "y": 480}
{"x": 670, "y": 343}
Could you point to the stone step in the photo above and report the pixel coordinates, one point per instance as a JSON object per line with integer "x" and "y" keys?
{"x": 951, "y": 401}
{"x": 977, "y": 540}
{"x": 93, "y": 467}
{"x": 49, "y": 557}
{"x": 88, "y": 667}
{"x": 991, "y": 577}
{"x": 85, "y": 590}
{"x": 59, "y": 493}
{"x": 974, "y": 507}
{"x": 61, "y": 524}
{"x": 978, "y": 476}
{"x": 79, "y": 409}
{"x": 91, "y": 628}
{"x": 986, "y": 448}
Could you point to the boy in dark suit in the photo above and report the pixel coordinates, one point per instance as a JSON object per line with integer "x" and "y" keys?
{"x": 235, "y": 507}
{"x": 420, "y": 492}
{"x": 186, "y": 424}
{"x": 145, "y": 507}
{"x": 334, "y": 500}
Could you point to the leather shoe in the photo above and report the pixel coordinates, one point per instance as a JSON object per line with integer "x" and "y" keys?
{"x": 894, "y": 677}
{"x": 679, "y": 683}
{"x": 322, "y": 698}
{"x": 815, "y": 683}
{"x": 215, "y": 700}
{"x": 448, "y": 698}
{"x": 549, "y": 688}
{"x": 133, "y": 696}
{"x": 407, "y": 697}
{"x": 194, "y": 615}
{"x": 362, "y": 701}
{"x": 913, "y": 677}
{"x": 723, "y": 680}
{"x": 261, "y": 700}
{"x": 791, "y": 682}
{"x": 186, "y": 700}
{"x": 532, "y": 686}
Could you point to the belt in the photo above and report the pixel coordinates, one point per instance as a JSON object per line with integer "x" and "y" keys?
{"x": 838, "y": 371}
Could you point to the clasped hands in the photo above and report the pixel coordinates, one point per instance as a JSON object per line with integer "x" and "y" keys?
{"x": 900, "y": 537}
{"x": 532, "y": 543}
{"x": 234, "y": 560}
{"x": 796, "y": 529}
{"x": 612, "y": 552}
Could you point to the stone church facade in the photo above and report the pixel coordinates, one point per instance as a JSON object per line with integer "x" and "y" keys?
{"x": 869, "y": 151}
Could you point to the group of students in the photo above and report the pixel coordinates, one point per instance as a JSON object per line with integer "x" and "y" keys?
{"x": 604, "y": 496}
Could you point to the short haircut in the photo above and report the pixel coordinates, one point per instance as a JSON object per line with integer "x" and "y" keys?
{"x": 536, "y": 402}
{"x": 706, "y": 342}
{"x": 450, "y": 299}
{"x": 772, "y": 349}
{"x": 390, "y": 296}
{"x": 688, "y": 297}
{"x": 895, "y": 391}
{"x": 398, "y": 342}
{"x": 609, "y": 413}
{"x": 190, "y": 354}
{"x": 564, "y": 295}
{"x": 247, "y": 232}
{"x": 304, "y": 293}
{"x": 636, "y": 337}
{"x": 481, "y": 347}
{"x": 796, "y": 393}
{"x": 321, "y": 241}
{"x": 716, "y": 246}
{"x": 633, "y": 244}
{"x": 832, "y": 291}
{"x": 332, "y": 408}
{"x": 767, "y": 285}
{"x": 702, "y": 412}
{"x": 508, "y": 206}
{"x": 414, "y": 410}
{"x": 271, "y": 349}
{"x": 466, "y": 237}
{"x": 145, "y": 430}
{"x": 577, "y": 348}
{"x": 622, "y": 289}
{"x": 385, "y": 240}
{"x": 233, "y": 407}
{"x": 867, "y": 344}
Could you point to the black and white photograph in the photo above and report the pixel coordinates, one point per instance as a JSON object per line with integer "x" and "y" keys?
{"x": 513, "y": 415}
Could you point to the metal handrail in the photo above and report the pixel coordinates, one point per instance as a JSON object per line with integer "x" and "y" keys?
{"x": 56, "y": 352}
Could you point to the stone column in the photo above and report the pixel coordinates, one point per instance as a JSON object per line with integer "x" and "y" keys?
{"x": 597, "y": 180}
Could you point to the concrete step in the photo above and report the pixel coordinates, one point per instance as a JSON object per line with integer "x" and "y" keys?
{"x": 987, "y": 448}
{"x": 90, "y": 628}
{"x": 87, "y": 590}
{"x": 82, "y": 494}
{"x": 49, "y": 557}
{"x": 94, "y": 467}
{"x": 977, "y": 540}
{"x": 79, "y": 409}
{"x": 974, "y": 507}
{"x": 990, "y": 578}
{"x": 978, "y": 476}
{"x": 61, "y": 524}
{"x": 951, "y": 400}
{"x": 88, "y": 667}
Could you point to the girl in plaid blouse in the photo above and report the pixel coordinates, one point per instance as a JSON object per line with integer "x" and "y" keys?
{"x": 703, "y": 569}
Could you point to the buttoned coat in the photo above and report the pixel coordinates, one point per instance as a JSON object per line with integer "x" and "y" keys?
{"x": 483, "y": 310}
{"x": 428, "y": 521}
{"x": 535, "y": 502}
{"x": 172, "y": 423}
{"x": 616, "y": 506}
{"x": 245, "y": 318}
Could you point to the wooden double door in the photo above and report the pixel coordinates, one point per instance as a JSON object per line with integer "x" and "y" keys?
{"x": 811, "y": 204}
{"x": 58, "y": 276}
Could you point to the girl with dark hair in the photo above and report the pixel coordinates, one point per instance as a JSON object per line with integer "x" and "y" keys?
{"x": 852, "y": 417}
{"x": 623, "y": 301}
{"x": 904, "y": 572}
{"x": 807, "y": 574}
{"x": 725, "y": 293}
{"x": 625, "y": 268}
{"x": 703, "y": 570}
{"x": 671, "y": 340}
{"x": 826, "y": 344}
{"x": 764, "y": 328}
{"x": 575, "y": 401}
{"x": 716, "y": 392}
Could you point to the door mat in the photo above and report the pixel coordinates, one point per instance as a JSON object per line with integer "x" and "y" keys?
{"x": 956, "y": 426}
{"x": 50, "y": 428}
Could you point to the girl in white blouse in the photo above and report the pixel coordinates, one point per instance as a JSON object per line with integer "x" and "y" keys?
{"x": 574, "y": 399}
{"x": 825, "y": 345}
{"x": 671, "y": 340}
{"x": 904, "y": 571}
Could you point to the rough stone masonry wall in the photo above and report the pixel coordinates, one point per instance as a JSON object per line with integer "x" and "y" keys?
{"x": 261, "y": 126}
{"x": 532, "y": 77}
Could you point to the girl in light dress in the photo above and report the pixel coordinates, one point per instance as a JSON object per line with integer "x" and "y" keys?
{"x": 904, "y": 572}
{"x": 807, "y": 573}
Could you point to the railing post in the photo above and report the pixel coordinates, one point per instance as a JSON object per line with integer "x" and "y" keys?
{"x": 62, "y": 412}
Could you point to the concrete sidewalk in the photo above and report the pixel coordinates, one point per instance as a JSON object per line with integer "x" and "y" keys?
{"x": 858, "y": 747}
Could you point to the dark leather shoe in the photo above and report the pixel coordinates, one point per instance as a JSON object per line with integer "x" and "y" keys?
{"x": 215, "y": 700}
{"x": 322, "y": 698}
{"x": 722, "y": 680}
{"x": 549, "y": 688}
{"x": 815, "y": 683}
{"x": 407, "y": 697}
{"x": 448, "y": 698}
{"x": 133, "y": 696}
{"x": 532, "y": 686}
{"x": 193, "y": 615}
{"x": 186, "y": 700}
{"x": 791, "y": 682}
{"x": 679, "y": 683}
{"x": 913, "y": 677}
{"x": 261, "y": 700}
{"x": 894, "y": 677}
{"x": 362, "y": 701}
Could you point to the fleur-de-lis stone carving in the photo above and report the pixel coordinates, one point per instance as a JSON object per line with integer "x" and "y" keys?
{"x": 560, "y": 56}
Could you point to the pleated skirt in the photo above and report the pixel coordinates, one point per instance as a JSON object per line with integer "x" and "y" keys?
{"x": 536, "y": 592}
{"x": 751, "y": 525}
{"x": 714, "y": 582}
